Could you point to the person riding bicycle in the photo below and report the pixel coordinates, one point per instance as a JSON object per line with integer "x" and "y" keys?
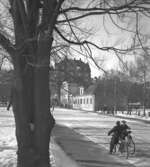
{"x": 124, "y": 129}
{"x": 116, "y": 131}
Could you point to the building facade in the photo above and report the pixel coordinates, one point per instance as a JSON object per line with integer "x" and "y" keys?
{"x": 84, "y": 102}
{"x": 67, "y": 92}
{"x": 96, "y": 97}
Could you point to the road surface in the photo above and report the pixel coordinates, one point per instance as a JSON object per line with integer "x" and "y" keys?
{"x": 95, "y": 127}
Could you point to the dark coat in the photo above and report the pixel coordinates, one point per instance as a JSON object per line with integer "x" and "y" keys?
{"x": 116, "y": 130}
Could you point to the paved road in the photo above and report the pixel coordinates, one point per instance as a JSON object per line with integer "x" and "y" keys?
{"x": 95, "y": 127}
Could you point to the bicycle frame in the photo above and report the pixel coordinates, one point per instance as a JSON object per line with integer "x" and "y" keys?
{"x": 126, "y": 146}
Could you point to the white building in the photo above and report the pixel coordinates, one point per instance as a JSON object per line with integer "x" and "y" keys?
{"x": 85, "y": 101}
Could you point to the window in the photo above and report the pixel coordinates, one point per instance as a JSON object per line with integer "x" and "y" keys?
{"x": 75, "y": 102}
{"x": 90, "y": 100}
{"x": 81, "y": 90}
{"x": 87, "y": 100}
{"x": 80, "y": 101}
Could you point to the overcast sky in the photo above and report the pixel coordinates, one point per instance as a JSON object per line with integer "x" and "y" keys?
{"x": 103, "y": 37}
{"x": 109, "y": 35}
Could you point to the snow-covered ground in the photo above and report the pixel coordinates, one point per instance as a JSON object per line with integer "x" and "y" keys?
{"x": 8, "y": 145}
{"x": 135, "y": 115}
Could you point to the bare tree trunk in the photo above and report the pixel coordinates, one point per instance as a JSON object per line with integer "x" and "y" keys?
{"x": 22, "y": 113}
{"x": 144, "y": 95}
{"x": 43, "y": 119}
{"x": 31, "y": 96}
{"x": 31, "y": 107}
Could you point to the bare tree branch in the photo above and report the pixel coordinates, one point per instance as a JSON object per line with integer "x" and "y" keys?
{"x": 23, "y": 15}
{"x": 106, "y": 10}
{"x": 88, "y": 42}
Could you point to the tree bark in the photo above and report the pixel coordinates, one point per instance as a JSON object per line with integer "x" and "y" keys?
{"x": 22, "y": 109}
{"x": 44, "y": 121}
{"x": 31, "y": 107}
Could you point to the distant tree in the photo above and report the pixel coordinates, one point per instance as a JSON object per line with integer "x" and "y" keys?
{"x": 139, "y": 72}
{"x": 113, "y": 92}
{"x": 135, "y": 93}
{"x": 72, "y": 71}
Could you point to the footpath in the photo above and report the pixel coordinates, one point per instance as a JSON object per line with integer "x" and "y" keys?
{"x": 86, "y": 153}
{"x": 59, "y": 158}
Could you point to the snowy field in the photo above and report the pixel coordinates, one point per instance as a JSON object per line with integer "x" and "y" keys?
{"x": 8, "y": 145}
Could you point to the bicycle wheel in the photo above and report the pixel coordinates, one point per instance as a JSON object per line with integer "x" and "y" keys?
{"x": 131, "y": 146}
{"x": 127, "y": 151}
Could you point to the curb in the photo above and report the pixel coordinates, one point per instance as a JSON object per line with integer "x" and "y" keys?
{"x": 59, "y": 158}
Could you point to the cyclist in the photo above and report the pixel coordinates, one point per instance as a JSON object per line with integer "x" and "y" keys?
{"x": 124, "y": 129}
{"x": 116, "y": 131}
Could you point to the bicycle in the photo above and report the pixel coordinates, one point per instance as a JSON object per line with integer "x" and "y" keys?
{"x": 126, "y": 145}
